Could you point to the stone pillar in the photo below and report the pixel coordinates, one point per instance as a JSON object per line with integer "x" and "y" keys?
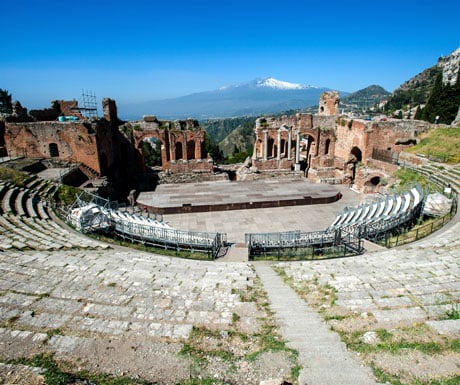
{"x": 289, "y": 143}
{"x": 198, "y": 147}
{"x": 278, "y": 146}
{"x": 265, "y": 144}
{"x": 297, "y": 151}
{"x": 172, "y": 147}
{"x": 184, "y": 147}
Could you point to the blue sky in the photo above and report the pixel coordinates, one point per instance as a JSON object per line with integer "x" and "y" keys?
{"x": 142, "y": 50}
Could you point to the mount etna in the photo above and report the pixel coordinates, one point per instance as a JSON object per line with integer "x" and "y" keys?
{"x": 256, "y": 97}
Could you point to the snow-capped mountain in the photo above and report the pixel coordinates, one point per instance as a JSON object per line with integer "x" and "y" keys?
{"x": 268, "y": 83}
{"x": 280, "y": 85}
{"x": 257, "y": 97}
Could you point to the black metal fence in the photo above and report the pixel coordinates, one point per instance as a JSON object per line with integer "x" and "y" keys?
{"x": 297, "y": 245}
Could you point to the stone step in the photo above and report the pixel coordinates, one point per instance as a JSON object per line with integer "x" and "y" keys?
{"x": 8, "y": 200}
{"x": 42, "y": 210}
{"x": 33, "y": 183}
{"x": 20, "y": 203}
{"x": 30, "y": 205}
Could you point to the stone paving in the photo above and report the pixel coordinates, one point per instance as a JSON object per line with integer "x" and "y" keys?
{"x": 238, "y": 222}
{"x": 170, "y": 196}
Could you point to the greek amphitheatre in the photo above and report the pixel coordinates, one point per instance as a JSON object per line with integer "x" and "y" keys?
{"x": 80, "y": 309}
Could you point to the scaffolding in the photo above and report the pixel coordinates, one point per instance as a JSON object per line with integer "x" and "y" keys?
{"x": 89, "y": 102}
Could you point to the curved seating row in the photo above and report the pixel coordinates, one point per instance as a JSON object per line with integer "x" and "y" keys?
{"x": 390, "y": 207}
{"x": 26, "y": 222}
{"x": 366, "y": 221}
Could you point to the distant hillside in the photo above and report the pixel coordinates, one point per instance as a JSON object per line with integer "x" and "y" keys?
{"x": 240, "y": 140}
{"x": 218, "y": 129}
{"x": 365, "y": 98}
{"x": 413, "y": 92}
{"x": 417, "y": 90}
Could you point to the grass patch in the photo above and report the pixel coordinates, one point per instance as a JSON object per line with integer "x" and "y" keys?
{"x": 54, "y": 332}
{"x": 234, "y": 347}
{"x": 388, "y": 343}
{"x": 17, "y": 177}
{"x": 408, "y": 178}
{"x": 453, "y": 313}
{"x": 387, "y": 378}
{"x": 443, "y": 144}
{"x": 54, "y": 374}
{"x": 335, "y": 317}
{"x": 67, "y": 194}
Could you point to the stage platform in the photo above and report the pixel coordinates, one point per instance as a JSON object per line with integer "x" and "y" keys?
{"x": 225, "y": 195}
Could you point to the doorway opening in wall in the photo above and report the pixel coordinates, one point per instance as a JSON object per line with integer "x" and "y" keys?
{"x": 53, "y": 150}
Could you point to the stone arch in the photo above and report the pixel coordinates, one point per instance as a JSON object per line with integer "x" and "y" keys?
{"x": 327, "y": 146}
{"x": 270, "y": 147}
{"x": 372, "y": 182}
{"x": 178, "y": 151}
{"x": 191, "y": 149}
{"x": 283, "y": 148}
{"x": 307, "y": 146}
{"x": 356, "y": 155}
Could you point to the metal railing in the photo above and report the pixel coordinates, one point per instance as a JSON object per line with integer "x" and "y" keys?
{"x": 338, "y": 240}
{"x": 91, "y": 213}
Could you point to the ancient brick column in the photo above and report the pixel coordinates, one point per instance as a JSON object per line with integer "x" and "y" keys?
{"x": 278, "y": 152}
{"x": 297, "y": 147}
{"x": 289, "y": 143}
{"x": 172, "y": 147}
{"x": 198, "y": 146}
{"x": 265, "y": 144}
{"x": 184, "y": 146}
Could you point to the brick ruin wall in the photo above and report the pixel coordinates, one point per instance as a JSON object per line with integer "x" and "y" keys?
{"x": 182, "y": 144}
{"x": 73, "y": 142}
{"x": 394, "y": 135}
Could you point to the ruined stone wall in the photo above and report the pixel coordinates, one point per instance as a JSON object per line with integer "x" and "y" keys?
{"x": 324, "y": 122}
{"x": 3, "y": 151}
{"x": 74, "y": 142}
{"x": 351, "y": 134}
{"x": 395, "y": 135}
{"x": 329, "y": 103}
{"x": 412, "y": 159}
{"x": 190, "y": 166}
{"x": 272, "y": 164}
{"x": 182, "y": 144}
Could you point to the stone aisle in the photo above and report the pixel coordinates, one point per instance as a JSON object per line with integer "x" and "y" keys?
{"x": 324, "y": 358}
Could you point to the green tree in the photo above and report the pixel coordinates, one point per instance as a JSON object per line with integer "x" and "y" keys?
{"x": 6, "y": 105}
{"x": 152, "y": 154}
{"x": 213, "y": 149}
{"x": 443, "y": 102}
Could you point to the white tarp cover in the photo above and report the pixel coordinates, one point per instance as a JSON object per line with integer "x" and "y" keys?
{"x": 437, "y": 204}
